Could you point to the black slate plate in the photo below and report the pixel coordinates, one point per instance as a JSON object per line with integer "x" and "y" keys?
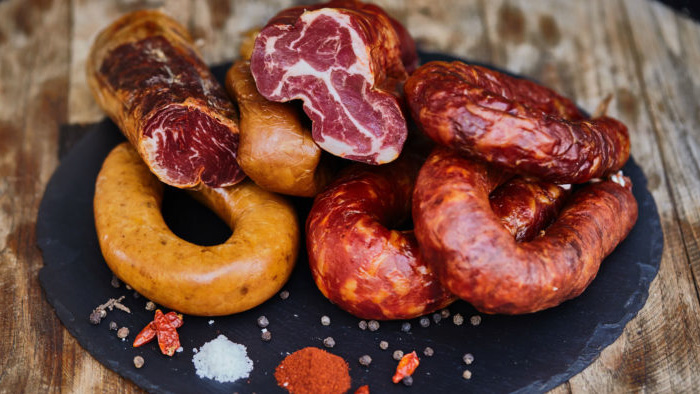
{"x": 512, "y": 353}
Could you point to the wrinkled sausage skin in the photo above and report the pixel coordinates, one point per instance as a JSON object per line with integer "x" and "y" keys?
{"x": 526, "y": 206}
{"x": 276, "y": 150}
{"x": 514, "y": 123}
{"x": 477, "y": 259}
{"x": 145, "y": 73}
{"x": 358, "y": 263}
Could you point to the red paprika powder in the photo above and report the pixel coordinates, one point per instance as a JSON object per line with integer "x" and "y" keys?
{"x": 312, "y": 370}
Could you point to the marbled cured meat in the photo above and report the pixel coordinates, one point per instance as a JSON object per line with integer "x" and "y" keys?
{"x": 145, "y": 73}
{"x": 346, "y": 60}
{"x": 514, "y": 123}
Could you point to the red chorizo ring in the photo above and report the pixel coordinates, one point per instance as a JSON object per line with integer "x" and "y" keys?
{"x": 276, "y": 150}
{"x": 145, "y": 72}
{"x": 357, "y": 262}
{"x": 493, "y": 117}
{"x": 477, "y": 259}
{"x": 526, "y": 206}
{"x": 247, "y": 269}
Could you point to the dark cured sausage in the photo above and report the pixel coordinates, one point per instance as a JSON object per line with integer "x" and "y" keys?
{"x": 360, "y": 264}
{"x": 146, "y": 74}
{"x": 346, "y": 61}
{"x": 526, "y": 205}
{"x": 478, "y": 260}
{"x": 513, "y": 123}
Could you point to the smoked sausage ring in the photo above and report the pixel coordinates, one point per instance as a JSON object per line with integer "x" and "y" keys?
{"x": 477, "y": 259}
{"x": 250, "y": 267}
{"x": 360, "y": 264}
{"x": 514, "y": 123}
{"x": 275, "y": 149}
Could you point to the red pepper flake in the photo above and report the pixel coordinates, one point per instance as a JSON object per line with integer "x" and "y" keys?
{"x": 362, "y": 390}
{"x": 406, "y": 366}
{"x": 164, "y": 327}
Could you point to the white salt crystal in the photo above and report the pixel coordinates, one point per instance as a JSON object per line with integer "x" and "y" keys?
{"x": 222, "y": 360}
{"x": 211, "y": 322}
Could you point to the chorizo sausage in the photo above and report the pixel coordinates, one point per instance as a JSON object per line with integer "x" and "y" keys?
{"x": 145, "y": 73}
{"x": 513, "y": 123}
{"x": 525, "y": 206}
{"x": 345, "y": 60}
{"x": 247, "y": 269}
{"x": 357, "y": 261}
{"x": 477, "y": 259}
{"x": 276, "y": 150}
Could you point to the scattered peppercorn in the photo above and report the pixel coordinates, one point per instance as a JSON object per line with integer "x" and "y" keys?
{"x": 373, "y": 325}
{"x": 468, "y": 358}
{"x": 428, "y": 351}
{"x": 137, "y": 295}
{"x": 138, "y": 361}
{"x": 475, "y": 320}
{"x": 150, "y": 306}
{"x": 362, "y": 324}
{"x": 113, "y": 326}
{"x": 115, "y": 281}
{"x": 406, "y": 327}
{"x": 383, "y": 345}
{"x": 445, "y": 313}
{"x": 397, "y": 355}
{"x": 284, "y": 294}
{"x": 123, "y": 333}
{"x": 467, "y": 374}
{"x": 458, "y": 319}
{"x": 407, "y": 380}
{"x": 95, "y": 317}
{"x": 437, "y": 317}
{"x": 325, "y": 320}
{"x": 365, "y": 360}
{"x": 424, "y": 322}
{"x": 329, "y": 342}
{"x": 263, "y": 322}
{"x": 266, "y": 336}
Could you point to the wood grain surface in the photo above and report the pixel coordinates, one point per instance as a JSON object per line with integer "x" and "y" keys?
{"x": 640, "y": 51}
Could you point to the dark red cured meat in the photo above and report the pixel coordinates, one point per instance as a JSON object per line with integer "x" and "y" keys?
{"x": 526, "y": 206}
{"x": 514, "y": 123}
{"x": 145, "y": 73}
{"x": 477, "y": 259}
{"x": 356, "y": 261}
{"x": 346, "y": 61}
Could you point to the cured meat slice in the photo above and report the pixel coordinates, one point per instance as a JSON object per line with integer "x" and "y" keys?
{"x": 145, "y": 73}
{"x": 347, "y": 61}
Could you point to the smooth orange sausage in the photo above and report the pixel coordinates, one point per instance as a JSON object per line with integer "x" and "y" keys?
{"x": 247, "y": 269}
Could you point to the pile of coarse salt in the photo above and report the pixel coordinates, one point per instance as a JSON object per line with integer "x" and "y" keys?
{"x": 222, "y": 360}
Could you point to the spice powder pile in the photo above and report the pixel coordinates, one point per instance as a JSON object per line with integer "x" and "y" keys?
{"x": 312, "y": 370}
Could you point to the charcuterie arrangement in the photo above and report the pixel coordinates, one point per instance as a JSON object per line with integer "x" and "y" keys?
{"x": 431, "y": 184}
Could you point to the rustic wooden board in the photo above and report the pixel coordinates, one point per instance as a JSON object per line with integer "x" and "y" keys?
{"x": 641, "y": 51}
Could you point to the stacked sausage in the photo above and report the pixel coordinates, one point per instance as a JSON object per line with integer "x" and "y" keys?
{"x": 497, "y": 220}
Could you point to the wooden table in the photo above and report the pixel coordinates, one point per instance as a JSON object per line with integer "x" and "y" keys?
{"x": 643, "y": 53}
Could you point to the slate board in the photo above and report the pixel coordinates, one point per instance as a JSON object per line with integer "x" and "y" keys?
{"x": 528, "y": 353}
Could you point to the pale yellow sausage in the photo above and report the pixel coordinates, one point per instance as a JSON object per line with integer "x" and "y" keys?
{"x": 250, "y": 267}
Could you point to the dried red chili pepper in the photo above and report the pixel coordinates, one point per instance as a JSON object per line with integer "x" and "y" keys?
{"x": 406, "y": 366}
{"x": 163, "y": 326}
{"x": 362, "y": 390}
{"x": 146, "y": 335}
